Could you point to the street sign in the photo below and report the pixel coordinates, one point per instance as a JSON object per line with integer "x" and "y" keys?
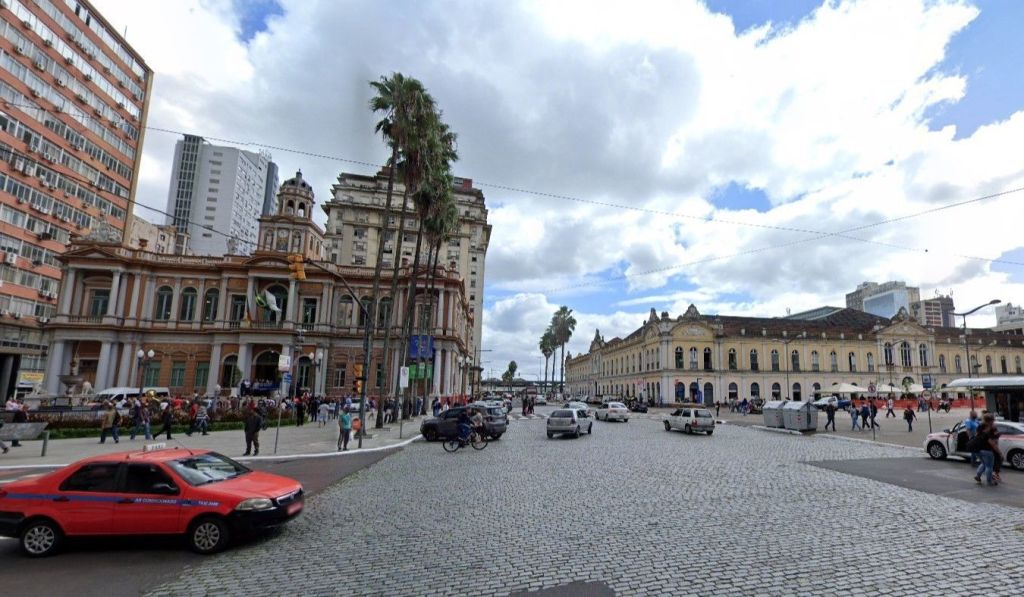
{"x": 871, "y": 387}
{"x": 926, "y": 381}
{"x": 403, "y": 377}
{"x": 284, "y": 363}
{"x": 286, "y": 378}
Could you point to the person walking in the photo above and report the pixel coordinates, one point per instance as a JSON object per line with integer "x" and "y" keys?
{"x": 193, "y": 413}
{"x": 140, "y": 419}
{"x": 344, "y": 430}
{"x": 909, "y": 416}
{"x": 874, "y": 414}
{"x": 202, "y": 419}
{"x": 854, "y": 415}
{"x": 322, "y": 412}
{"x": 253, "y": 424}
{"x": 109, "y": 425}
{"x": 20, "y": 416}
{"x": 435, "y": 406}
{"x": 167, "y": 418}
{"x": 986, "y": 447}
{"x": 718, "y": 407}
{"x": 830, "y": 413}
{"x": 888, "y": 408}
{"x": 865, "y": 413}
{"x": 971, "y": 425}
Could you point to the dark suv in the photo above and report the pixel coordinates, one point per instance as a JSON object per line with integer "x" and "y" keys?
{"x": 446, "y": 424}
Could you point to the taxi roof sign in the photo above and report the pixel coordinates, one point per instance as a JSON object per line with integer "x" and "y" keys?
{"x": 154, "y": 447}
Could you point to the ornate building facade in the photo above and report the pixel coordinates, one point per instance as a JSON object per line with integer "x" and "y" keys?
{"x": 718, "y": 357}
{"x": 215, "y": 321}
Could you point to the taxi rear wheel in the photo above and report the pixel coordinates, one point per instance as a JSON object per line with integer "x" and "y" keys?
{"x": 1016, "y": 459}
{"x": 936, "y": 450}
{"x": 208, "y": 535}
{"x": 40, "y": 538}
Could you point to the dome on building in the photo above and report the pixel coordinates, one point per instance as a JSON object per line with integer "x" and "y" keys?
{"x": 295, "y": 197}
{"x": 297, "y": 182}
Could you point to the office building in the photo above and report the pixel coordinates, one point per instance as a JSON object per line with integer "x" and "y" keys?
{"x": 75, "y": 97}
{"x": 200, "y": 316}
{"x": 355, "y": 220}
{"x": 156, "y": 238}
{"x": 1010, "y": 319}
{"x": 216, "y": 193}
{"x": 270, "y": 197}
{"x": 883, "y": 300}
{"x": 713, "y": 357}
{"x": 936, "y": 311}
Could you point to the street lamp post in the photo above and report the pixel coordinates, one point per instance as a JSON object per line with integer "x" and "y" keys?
{"x": 967, "y": 343}
{"x": 142, "y": 356}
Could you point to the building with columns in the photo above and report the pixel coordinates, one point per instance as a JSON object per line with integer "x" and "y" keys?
{"x": 717, "y": 357}
{"x": 202, "y": 316}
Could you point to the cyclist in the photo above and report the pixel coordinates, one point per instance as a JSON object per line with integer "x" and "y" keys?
{"x": 478, "y": 422}
{"x": 465, "y": 425}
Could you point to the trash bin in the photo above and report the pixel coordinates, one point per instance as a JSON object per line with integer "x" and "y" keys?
{"x": 773, "y": 413}
{"x": 800, "y": 416}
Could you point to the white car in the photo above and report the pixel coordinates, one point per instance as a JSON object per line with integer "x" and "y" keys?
{"x": 953, "y": 442}
{"x": 612, "y": 411}
{"x": 579, "y": 406}
{"x": 569, "y": 421}
{"x": 540, "y": 399}
{"x": 691, "y": 420}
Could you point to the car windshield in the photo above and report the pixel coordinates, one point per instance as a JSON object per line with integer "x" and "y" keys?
{"x": 207, "y": 468}
{"x": 561, "y": 414}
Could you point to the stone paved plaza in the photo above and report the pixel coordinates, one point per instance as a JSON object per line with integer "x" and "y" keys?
{"x": 644, "y": 511}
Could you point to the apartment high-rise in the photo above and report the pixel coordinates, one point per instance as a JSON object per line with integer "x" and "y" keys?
{"x": 75, "y": 97}
{"x": 884, "y": 300}
{"x": 155, "y": 238}
{"x": 355, "y": 221}
{"x": 936, "y": 311}
{"x": 217, "y": 190}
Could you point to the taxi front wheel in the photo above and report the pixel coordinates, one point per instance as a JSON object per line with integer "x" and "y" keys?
{"x": 40, "y": 538}
{"x": 208, "y": 535}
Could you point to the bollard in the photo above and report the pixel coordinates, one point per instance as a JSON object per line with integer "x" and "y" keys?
{"x": 46, "y": 441}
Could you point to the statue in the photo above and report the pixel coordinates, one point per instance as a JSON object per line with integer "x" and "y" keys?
{"x": 86, "y": 388}
{"x": 102, "y": 232}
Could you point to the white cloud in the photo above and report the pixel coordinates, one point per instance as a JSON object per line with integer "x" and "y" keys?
{"x": 648, "y": 104}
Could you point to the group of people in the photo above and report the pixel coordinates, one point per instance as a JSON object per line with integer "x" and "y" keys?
{"x": 863, "y": 416}
{"x": 983, "y": 444}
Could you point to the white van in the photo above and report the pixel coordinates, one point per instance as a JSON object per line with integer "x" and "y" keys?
{"x": 116, "y": 395}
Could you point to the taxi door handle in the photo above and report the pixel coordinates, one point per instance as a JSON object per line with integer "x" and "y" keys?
{"x": 126, "y": 501}
{"x": 62, "y": 498}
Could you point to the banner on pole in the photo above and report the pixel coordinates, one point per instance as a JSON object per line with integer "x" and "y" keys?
{"x": 403, "y": 377}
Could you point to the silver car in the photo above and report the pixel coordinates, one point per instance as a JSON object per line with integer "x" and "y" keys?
{"x": 691, "y": 420}
{"x": 569, "y": 421}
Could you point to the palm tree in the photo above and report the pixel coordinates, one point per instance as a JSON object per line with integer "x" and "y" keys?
{"x": 401, "y": 99}
{"x": 547, "y": 348}
{"x": 511, "y": 373}
{"x": 563, "y": 324}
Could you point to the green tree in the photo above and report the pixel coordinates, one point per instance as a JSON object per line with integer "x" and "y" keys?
{"x": 441, "y": 223}
{"x": 563, "y": 324}
{"x": 547, "y": 348}
{"x": 511, "y": 373}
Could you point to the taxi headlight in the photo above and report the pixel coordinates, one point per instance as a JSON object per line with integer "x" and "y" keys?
{"x": 255, "y": 504}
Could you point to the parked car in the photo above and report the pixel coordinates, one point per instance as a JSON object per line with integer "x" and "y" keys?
{"x": 446, "y": 424}
{"x": 579, "y": 406}
{"x": 202, "y": 495}
{"x": 953, "y": 442}
{"x": 569, "y": 421}
{"x": 612, "y": 410}
{"x": 839, "y": 403}
{"x": 690, "y": 420}
{"x": 540, "y": 399}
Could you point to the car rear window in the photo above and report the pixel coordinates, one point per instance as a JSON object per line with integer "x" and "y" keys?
{"x": 616, "y": 405}
{"x": 704, "y": 414}
{"x": 561, "y": 414}
{"x": 495, "y": 412}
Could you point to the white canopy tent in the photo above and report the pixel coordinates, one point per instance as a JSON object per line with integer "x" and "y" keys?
{"x": 845, "y": 388}
{"x": 888, "y": 388}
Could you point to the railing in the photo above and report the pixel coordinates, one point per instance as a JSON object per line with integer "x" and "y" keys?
{"x": 97, "y": 319}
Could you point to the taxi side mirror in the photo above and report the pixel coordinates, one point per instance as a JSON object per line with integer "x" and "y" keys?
{"x": 945, "y": 430}
{"x": 164, "y": 489}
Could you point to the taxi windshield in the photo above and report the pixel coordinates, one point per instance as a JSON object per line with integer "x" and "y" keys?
{"x": 207, "y": 468}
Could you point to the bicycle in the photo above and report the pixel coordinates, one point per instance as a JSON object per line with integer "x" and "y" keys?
{"x": 475, "y": 439}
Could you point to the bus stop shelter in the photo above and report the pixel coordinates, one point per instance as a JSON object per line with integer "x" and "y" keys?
{"x": 1004, "y": 395}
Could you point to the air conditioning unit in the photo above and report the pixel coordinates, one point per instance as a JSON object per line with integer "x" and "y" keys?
{"x": 37, "y": 262}
{"x": 39, "y": 65}
{"x": 43, "y": 320}
{"x": 4, "y": 312}
{"x": 34, "y": 93}
{"x": 48, "y": 43}
{"x": 16, "y": 315}
{"x": 21, "y": 200}
{"x": 45, "y": 236}
{"x": 69, "y": 59}
{"x": 80, "y": 97}
{"x": 61, "y": 83}
{"x": 19, "y": 50}
{"x": 11, "y": 259}
{"x": 88, "y": 77}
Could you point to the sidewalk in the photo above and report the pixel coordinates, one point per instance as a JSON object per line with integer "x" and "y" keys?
{"x": 893, "y": 431}
{"x": 308, "y": 439}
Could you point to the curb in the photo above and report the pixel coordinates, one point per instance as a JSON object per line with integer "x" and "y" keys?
{"x": 402, "y": 444}
{"x": 776, "y": 430}
{"x": 867, "y": 441}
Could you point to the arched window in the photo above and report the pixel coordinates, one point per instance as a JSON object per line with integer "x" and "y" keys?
{"x": 942, "y": 363}
{"x": 988, "y": 364}
{"x": 343, "y": 317}
{"x": 361, "y": 317}
{"x": 833, "y": 360}
{"x": 679, "y": 357}
{"x": 383, "y": 313}
{"x": 796, "y": 392}
{"x": 734, "y": 391}
{"x": 922, "y": 354}
{"x": 709, "y": 393}
{"x": 957, "y": 364}
{"x": 775, "y": 360}
{"x": 162, "y": 308}
{"x": 230, "y": 376}
{"x": 268, "y": 240}
{"x": 887, "y": 353}
{"x": 776, "y": 391}
{"x": 694, "y": 391}
{"x": 851, "y": 361}
{"x": 817, "y": 389}
{"x": 795, "y": 357}
{"x": 1002, "y": 365}
{"x": 187, "y": 311}
{"x": 974, "y": 363}
{"x": 693, "y": 357}
{"x": 210, "y": 304}
{"x": 732, "y": 359}
{"x": 871, "y": 363}
{"x": 905, "y": 354}
{"x": 707, "y": 359}
{"x": 753, "y": 360}
{"x": 755, "y": 390}
{"x": 290, "y": 208}
{"x": 680, "y": 391}
{"x": 302, "y": 210}
{"x": 1016, "y": 362}
{"x": 815, "y": 362}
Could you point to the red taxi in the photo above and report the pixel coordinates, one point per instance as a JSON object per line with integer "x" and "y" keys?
{"x": 200, "y": 494}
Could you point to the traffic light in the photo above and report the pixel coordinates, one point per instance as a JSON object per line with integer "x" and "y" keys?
{"x": 297, "y": 266}
{"x": 357, "y": 382}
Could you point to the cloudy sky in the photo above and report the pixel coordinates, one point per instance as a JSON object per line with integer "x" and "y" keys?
{"x": 746, "y": 157}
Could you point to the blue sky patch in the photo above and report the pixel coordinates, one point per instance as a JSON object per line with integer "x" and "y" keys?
{"x": 1016, "y": 271}
{"x": 753, "y": 13}
{"x": 735, "y": 196}
{"x": 254, "y": 14}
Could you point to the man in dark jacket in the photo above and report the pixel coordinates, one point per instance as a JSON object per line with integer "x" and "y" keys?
{"x": 253, "y": 424}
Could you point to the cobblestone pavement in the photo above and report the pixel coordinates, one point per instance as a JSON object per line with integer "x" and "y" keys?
{"x": 645, "y": 511}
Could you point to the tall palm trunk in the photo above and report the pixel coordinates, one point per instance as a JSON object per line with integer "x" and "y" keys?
{"x": 410, "y": 304}
{"x": 561, "y": 371}
{"x": 371, "y": 316}
{"x": 394, "y": 303}
{"x": 545, "y": 382}
{"x": 432, "y": 264}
